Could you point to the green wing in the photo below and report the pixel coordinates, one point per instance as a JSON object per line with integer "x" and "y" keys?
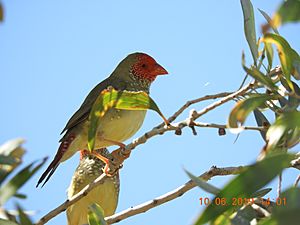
{"x": 83, "y": 112}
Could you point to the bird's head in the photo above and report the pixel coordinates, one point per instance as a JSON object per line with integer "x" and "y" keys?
{"x": 145, "y": 67}
{"x": 141, "y": 66}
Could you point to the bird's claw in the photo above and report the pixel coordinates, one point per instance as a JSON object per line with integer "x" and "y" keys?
{"x": 115, "y": 162}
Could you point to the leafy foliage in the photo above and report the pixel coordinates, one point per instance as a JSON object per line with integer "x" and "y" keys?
{"x": 288, "y": 57}
{"x": 286, "y": 209}
{"x": 275, "y": 90}
{"x": 285, "y": 131}
{"x": 11, "y": 154}
{"x": 289, "y": 11}
{"x": 242, "y": 109}
{"x": 270, "y": 85}
{"x": 244, "y": 186}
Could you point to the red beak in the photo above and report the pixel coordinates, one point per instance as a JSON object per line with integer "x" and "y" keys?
{"x": 159, "y": 70}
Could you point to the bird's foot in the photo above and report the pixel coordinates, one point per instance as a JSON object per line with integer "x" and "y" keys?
{"x": 106, "y": 161}
{"x": 114, "y": 162}
{"x": 120, "y": 154}
{"x": 120, "y": 144}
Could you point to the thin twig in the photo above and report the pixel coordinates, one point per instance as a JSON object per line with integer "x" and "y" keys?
{"x": 297, "y": 181}
{"x": 194, "y": 101}
{"x": 244, "y": 80}
{"x": 214, "y": 171}
{"x": 224, "y": 100}
{"x": 213, "y": 125}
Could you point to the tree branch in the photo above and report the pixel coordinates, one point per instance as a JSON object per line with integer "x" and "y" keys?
{"x": 71, "y": 201}
{"x": 188, "y": 122}
{"x": 160, "y": 129}
{"x": 214, "y": 171}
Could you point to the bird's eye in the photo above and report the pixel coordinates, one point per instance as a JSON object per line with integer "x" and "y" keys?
{"x": 143, "y": 65}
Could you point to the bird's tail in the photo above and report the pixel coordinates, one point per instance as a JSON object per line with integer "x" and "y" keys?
{"x": 56, "y": 161}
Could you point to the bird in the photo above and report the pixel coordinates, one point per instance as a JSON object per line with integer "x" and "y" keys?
{"x": 136, "y": 72}
{"x": 105, "y": 195}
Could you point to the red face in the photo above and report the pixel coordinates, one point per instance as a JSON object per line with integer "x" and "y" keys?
{"x": 147, "y": 68}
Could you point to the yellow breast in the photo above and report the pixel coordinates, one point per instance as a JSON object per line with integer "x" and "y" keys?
{"x": 116, "y": 125}
{"x": 119, "y": 125}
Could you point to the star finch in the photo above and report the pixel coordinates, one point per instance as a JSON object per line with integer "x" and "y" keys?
{"x": 134, "y": 73}
{"x": 105, "y": 195}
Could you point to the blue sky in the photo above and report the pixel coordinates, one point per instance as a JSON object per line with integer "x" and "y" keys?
{"x": 54, "y": 52}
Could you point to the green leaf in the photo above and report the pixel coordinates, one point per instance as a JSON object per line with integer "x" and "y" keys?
{"x": 242, "y": 109}
{"x": 96, "y": 215}
{"x": 284, "y": 52}
{"x": 289, "y": 11}
{"x": 285, "y": 124}
{"x": 268, "y": 221}
{"x": 261, "y": 121}
{"x": 244, "y": 216}
{"x": 11, "y": 187}
{"x": 296, "y": 64}
{"x": 293, "y": 138}
{"x": 126, "y": 100}
{"x": 7, "y": 222}
{"x": 13, "y": 149}
{"x": 245, "y": 184}
{"x": 20, "y": 196}
{"x": 287, "y": 207}
{"x": 203, "y": 184}
{"x": 10, "y": 146}
{"x": 294, "y": 97}
{"x": 7, "y": 160}
{"x": 92, "y": 219}
{"x": 261, "y": 193}
{"x": 259, "y": 76}
{"x": 24, "y": 219}
{"x": 270, "y": 55}
{"x": 249, "y": 27}
{"x": 289, "y": 58}
{"x": 284, "y": 103}
{"x": 269, "y": 20}
{"x": 223, "y": 219}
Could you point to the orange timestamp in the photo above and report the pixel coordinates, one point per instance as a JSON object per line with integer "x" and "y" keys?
{"x": 239, "y": 201}
{"x": 278, "y": 201}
